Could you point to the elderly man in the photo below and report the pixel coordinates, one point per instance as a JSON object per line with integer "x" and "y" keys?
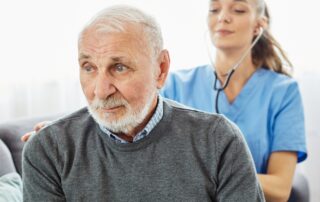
{"x": 130, "y": 144}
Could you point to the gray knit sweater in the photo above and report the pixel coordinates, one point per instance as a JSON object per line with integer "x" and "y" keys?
{"x": 188, "y": 156}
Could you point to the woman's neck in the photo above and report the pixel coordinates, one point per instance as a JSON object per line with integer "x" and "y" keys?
{"x": 224, "y": 62}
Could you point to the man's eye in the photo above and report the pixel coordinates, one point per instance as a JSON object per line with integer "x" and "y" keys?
{"x": 88, "y": 69}
{"x": 120, "y": 68}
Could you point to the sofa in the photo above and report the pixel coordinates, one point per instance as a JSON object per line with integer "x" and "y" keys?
{"x": 11, "y": 132}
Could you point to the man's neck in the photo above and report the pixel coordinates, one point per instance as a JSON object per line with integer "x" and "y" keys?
{"x": 131, "y": 134}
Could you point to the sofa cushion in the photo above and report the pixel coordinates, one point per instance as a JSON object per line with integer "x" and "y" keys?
{"x": 7, "y": 165}
{"x": 11, "y": 132}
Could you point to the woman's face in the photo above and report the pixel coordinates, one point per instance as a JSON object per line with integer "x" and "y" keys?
{"x": 232, "y": 23}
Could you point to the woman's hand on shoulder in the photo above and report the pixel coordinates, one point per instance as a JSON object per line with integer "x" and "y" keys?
{"x": 36, "y": 128}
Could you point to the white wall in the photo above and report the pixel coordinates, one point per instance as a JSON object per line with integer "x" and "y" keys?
{"x": 40, "y": 36}
{"x": 309, "y": 85}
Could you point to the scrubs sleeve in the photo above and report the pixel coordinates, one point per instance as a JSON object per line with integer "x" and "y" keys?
{"x": 169, "y": 89}
{"x": 288, "y": 126}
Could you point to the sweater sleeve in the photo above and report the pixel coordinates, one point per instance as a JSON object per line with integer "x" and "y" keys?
{"x": 41, "y": 180}
{"x": 236, "y": 177}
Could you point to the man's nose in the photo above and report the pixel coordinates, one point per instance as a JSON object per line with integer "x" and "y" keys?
{"x": 104, "y": 86}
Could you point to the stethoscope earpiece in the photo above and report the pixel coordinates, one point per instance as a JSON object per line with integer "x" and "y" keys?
{"x": 260, "y": 31}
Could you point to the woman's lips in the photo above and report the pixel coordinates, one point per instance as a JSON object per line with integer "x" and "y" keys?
{"x": 224, "y": 32}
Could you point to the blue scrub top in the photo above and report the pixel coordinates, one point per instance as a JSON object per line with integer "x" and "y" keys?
{"x": 268, "y": 109}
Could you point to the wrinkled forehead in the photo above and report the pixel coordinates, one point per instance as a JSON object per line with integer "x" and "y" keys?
{"x": 102, "y": 29}
{"x": 98, "y": 42}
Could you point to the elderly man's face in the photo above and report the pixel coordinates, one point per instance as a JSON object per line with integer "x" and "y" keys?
{"x": 119, "y": 78}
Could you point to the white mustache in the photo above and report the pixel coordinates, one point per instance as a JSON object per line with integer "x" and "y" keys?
{"x": 110, "y": 102}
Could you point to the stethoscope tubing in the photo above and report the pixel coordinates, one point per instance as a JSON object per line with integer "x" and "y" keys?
{"x": 232, "y": 70}
{"x": 219, "y": 89}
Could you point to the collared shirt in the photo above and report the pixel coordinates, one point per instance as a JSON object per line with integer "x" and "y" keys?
{"x": 268, "y": 109}
{"x": 156, "y": 117}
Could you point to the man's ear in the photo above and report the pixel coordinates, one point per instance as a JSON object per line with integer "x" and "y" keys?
{"x": 164, "y": 65}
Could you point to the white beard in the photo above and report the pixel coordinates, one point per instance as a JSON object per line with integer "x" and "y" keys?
{"x": 130, "y": 120}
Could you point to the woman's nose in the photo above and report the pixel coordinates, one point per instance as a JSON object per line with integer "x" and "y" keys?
{"x": 224, "y": 17}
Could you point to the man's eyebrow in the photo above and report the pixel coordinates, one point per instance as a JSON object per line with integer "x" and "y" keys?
{"x": 122, "y": 59}
{"x": 83, "y": 56}
{"x": 117, "y": 59}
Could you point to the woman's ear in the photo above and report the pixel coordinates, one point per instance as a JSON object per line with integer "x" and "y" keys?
{"x": 262, "y": 23}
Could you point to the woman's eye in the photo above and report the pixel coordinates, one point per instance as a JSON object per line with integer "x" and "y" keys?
{"x": 214, "y": 10}
{"x": 239, "y": 11}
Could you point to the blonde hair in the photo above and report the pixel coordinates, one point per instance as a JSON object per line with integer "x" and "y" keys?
{"x": 268, "y": 52}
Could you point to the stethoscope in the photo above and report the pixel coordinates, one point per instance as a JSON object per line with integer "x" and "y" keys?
{"x": 231, "y": 71}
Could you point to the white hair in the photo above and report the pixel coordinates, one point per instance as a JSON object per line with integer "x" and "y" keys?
{"x": 116, "y": 19}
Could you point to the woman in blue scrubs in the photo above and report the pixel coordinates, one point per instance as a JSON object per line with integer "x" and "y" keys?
{"x": 261, "y": 97}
